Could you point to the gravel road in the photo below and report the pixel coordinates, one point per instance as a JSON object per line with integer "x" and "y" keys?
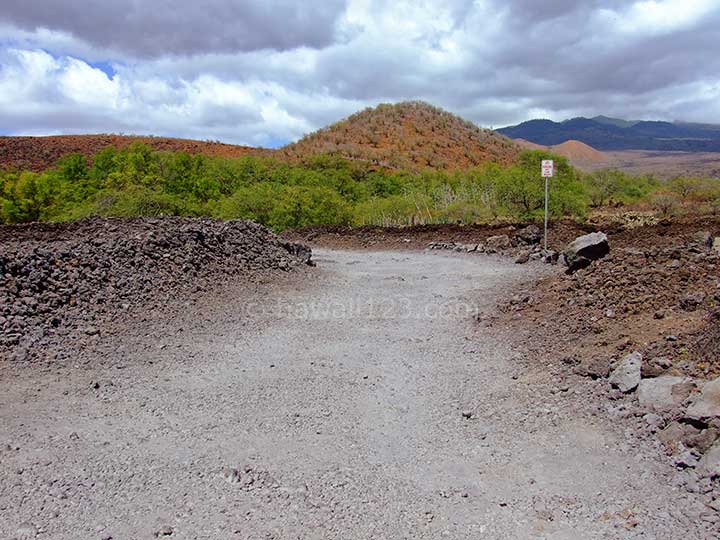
{"x": 363, "y": 402}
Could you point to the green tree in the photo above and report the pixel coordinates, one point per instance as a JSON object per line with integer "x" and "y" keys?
{"x": 603, "y": 185}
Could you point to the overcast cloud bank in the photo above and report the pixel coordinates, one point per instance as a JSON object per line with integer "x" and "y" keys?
{"x": 263, "y": 72}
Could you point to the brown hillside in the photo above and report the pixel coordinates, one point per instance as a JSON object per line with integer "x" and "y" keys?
{"x": 529, "y": 145}
{"x": 579, "y": 152}
{"x": 411, "y": 135}
{"x": 40, "y": 153}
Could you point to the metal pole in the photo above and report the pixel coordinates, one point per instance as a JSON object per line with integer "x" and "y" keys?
{"x": 546, "y": 212}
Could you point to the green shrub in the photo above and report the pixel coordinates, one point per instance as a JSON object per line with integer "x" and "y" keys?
{"x": 325, "y": 189}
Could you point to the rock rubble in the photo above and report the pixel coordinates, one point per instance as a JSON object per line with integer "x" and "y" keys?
{"x": 62, "y": 279}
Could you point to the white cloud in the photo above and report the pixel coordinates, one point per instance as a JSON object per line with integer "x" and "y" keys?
{"x": 205, "y": 107}
{"x": 88, "y": 86}
{"x": 661, "y": 16}
{"x": 493, "y": 62}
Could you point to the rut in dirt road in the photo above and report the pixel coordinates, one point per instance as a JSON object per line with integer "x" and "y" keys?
{"x": 369, "y": 404}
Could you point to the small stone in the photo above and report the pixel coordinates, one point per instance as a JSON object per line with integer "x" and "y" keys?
{"x": 687, "y": 459}
{"x": 92, "y": 331}
{"x": 529, "y": 235}
{"x": 26, "y": 531}
{"x": 671, "y": 437}
{"x": 598, "y": 368}
{"x": 659, "y": 315}
{"x": 231, "y": 476}
{"x": 654, "y": 421}
{"x": 467, "y": 415}
{"x": 663, "y": 362}
{"x": 703, "y": 441}
{"x": 164, "y": 531}
{"x": 691, "y": 301}
{"x": 704, "y": 238}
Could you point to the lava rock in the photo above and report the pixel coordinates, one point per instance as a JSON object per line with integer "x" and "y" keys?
{"x": 704, "y": 440}
{"x": 704, "y": 238}
{"x": 529, "y": 235}
{"x": 164, "y": 531}
{"x": 26, "y": 531}
{"x": 662, "y": 393}
{"x": 706, "y": 405}
{"x": 583, "y": 250}
{"x": 498, "y": 243}
{"x": 710, "y": 462}
{"x": 67, "y": 279}
{"x": 691, "y": 301}
{"x": 522, "y": 258}
{"x": 673, "y": 435}
{"x": 626, "y": 376}
{"x": 595, "y": 369}
{"x": 654, "y": 421}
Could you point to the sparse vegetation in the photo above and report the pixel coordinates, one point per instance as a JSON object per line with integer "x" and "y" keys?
{"x": 411, "y": 135}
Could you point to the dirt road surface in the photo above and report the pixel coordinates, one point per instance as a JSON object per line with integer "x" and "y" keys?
{"x": 367, "y": 403}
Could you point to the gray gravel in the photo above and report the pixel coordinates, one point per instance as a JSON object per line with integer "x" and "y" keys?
{"x": 365, "y": 402}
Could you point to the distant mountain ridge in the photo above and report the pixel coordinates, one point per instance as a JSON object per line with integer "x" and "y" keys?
{"x": 605, "y": 133}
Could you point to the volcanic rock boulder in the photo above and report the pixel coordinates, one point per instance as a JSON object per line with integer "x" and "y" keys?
{"x": 710, "y": 463}
{"x": 529, "y": 235}
{"x": 663, "y": 393}
{"x": 626, "y": 376}
{"x": 704, "y": 238}
{"x": 300, "y": 251}
{"x": 585, "y": 249}
{"x": 498, "y": 243}
{"x": 522, "y": 258}
{"x": 691, "y": 301}
{"x": 706, "y": 406}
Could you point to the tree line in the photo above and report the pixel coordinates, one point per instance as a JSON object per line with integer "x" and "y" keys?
{"x": 326, "y": 189}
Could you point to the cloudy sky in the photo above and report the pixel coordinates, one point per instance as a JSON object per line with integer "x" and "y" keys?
{"x": 264, "y": 72}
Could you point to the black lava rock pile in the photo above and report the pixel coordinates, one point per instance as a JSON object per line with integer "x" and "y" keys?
{"x": 59, "y": 278}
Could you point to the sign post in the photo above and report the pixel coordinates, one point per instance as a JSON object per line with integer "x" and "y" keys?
{"x": 548, "y": 171}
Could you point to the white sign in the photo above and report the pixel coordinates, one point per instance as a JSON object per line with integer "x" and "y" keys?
{"x": 548, "y": 168}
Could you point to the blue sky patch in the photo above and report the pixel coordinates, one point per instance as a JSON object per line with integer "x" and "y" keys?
{"x": 105, "y": 67}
